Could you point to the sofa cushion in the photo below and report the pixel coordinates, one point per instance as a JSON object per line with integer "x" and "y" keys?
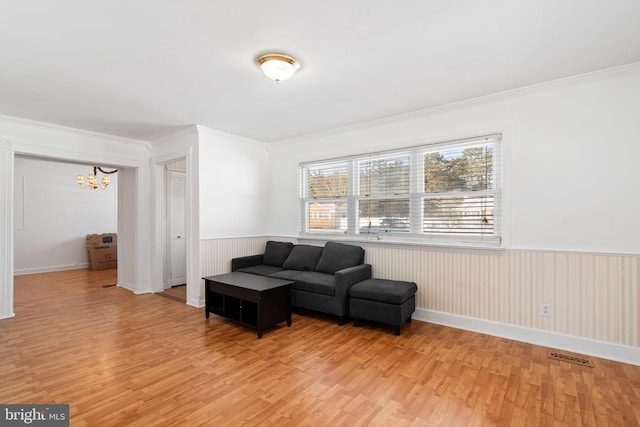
{"x": 383, "y": 290}
{"x": 318, "y": 283}
{"x": 276, "y": 253}
{"x": 286, "y": 274}
{"x": 260, "y": 270}
{"x": 310, "y": 281}
{"x": 338, "y": 256}
{"x": 303, "y": 257}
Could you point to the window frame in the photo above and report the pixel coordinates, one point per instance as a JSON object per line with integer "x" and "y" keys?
{"x": 416, "y": 196}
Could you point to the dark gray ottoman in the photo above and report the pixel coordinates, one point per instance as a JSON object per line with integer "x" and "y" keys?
{"x": 385, "y": 301}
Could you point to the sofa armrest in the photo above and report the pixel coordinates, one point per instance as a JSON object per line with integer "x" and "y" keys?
{"x": 246, "y": 261}
{"x": 350, "y": 276}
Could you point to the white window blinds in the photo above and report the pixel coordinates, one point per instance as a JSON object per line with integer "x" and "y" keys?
{"x": 325, "y": 191}
{"x": 383, "y": 194}
{"x": 446, "y": 191}
{"x": 459, "y": 189}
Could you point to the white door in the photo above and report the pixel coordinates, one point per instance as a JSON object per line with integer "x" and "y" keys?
{"x": 177, "y": 229}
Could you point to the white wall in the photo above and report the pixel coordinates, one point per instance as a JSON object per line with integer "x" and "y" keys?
{"x": 227, "y": 195}
{"x": 570, "y": 159}
{"x": 571, "y": 234}
{"x": 234, "y": 192}
{"x": 56, "y": 214}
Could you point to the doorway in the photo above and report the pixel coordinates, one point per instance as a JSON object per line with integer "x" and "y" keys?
{"x": 176, "y": 230}
{"x": 130, "y": 216}
{"x": 53, "y": 215}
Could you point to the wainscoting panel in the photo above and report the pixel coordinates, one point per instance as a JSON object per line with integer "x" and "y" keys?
{"x": 216, "y": 254}
{"x": 593, "y": 296}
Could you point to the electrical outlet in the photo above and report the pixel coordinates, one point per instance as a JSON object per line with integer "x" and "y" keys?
{"x": 545, "y": 310}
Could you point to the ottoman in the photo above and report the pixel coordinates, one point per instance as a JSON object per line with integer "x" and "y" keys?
{"x": 385, "y": 301}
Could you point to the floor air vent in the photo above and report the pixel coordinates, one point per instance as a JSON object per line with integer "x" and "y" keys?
{"x": 108, "y": 286}
{"x": 567, "y": 358}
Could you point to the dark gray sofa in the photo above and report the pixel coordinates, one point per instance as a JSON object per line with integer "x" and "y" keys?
{"x": 322, "y": 275}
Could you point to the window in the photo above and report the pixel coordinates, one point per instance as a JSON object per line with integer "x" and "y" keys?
{"x": 442, "y": 192}
{"x": 383, "y": 194}
{"x": 326, "y": 188}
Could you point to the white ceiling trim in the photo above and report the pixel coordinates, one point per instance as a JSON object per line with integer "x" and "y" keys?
{"x": 480, "y": 100}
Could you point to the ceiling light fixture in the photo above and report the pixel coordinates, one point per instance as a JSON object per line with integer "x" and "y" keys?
{"x": 92, "y": 183}
{"x": 278, "y": 66}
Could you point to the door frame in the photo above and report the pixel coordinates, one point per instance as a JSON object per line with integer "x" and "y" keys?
{"x": 138, "y": 266}
{"x": 195, "y": 297}
{"x": 168, "y": 280}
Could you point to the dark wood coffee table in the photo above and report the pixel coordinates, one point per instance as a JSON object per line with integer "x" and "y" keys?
{"x": 255, "y": 301}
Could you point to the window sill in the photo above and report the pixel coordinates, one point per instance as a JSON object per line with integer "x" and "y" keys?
{"x": 492, "y": 248}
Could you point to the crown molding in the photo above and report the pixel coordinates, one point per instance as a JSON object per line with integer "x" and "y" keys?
{"x": 197, "y": 130}
{"x": 480, "y": 100}
{"x": 66, "y": 155}
{"x": 6, "y": 144}
{"x": 189, "y": 130}
{"x": 70, "y": 130}
{"x": 217, "y": 133}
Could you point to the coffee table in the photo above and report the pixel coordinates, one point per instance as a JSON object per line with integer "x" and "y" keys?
{"x": 256, "y": 301}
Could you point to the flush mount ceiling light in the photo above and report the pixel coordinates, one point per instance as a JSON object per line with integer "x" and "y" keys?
{"x": 278, "y": 66}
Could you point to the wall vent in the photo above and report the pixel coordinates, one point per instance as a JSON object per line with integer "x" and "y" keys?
{"x": 572, "y": 359}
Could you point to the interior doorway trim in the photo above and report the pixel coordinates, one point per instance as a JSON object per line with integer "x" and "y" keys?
{"x": 192, "y": 224}
{"x": 6, "y": 229}
{"x": 139, "y": 230}
{"x": 174, "y": 217}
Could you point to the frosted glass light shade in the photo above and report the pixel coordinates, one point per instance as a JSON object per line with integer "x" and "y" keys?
{"x": 278, "y": 66}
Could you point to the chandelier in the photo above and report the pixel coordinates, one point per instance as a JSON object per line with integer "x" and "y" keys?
{"x": 91, "y": 182}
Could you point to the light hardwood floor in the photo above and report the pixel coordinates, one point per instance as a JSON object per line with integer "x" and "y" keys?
{"x": 178, "y": 293}
{"x": 124, "y": 359}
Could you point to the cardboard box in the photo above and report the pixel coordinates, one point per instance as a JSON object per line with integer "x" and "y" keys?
{"x": 102, "y": 251}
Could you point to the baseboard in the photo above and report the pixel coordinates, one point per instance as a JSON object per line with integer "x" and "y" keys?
{"x": 51, "y": 268}
{"x": 127, "y": 286}
{"x": 587, "y": 346}
{"x": 197, "y": 302}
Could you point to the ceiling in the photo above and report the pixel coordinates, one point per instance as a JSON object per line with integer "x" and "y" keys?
{"x": 146, "y": 68}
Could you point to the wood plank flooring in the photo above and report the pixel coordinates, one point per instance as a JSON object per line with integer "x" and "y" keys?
{"x": 143, "y": 360}
{"x": 178, "y": 293}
